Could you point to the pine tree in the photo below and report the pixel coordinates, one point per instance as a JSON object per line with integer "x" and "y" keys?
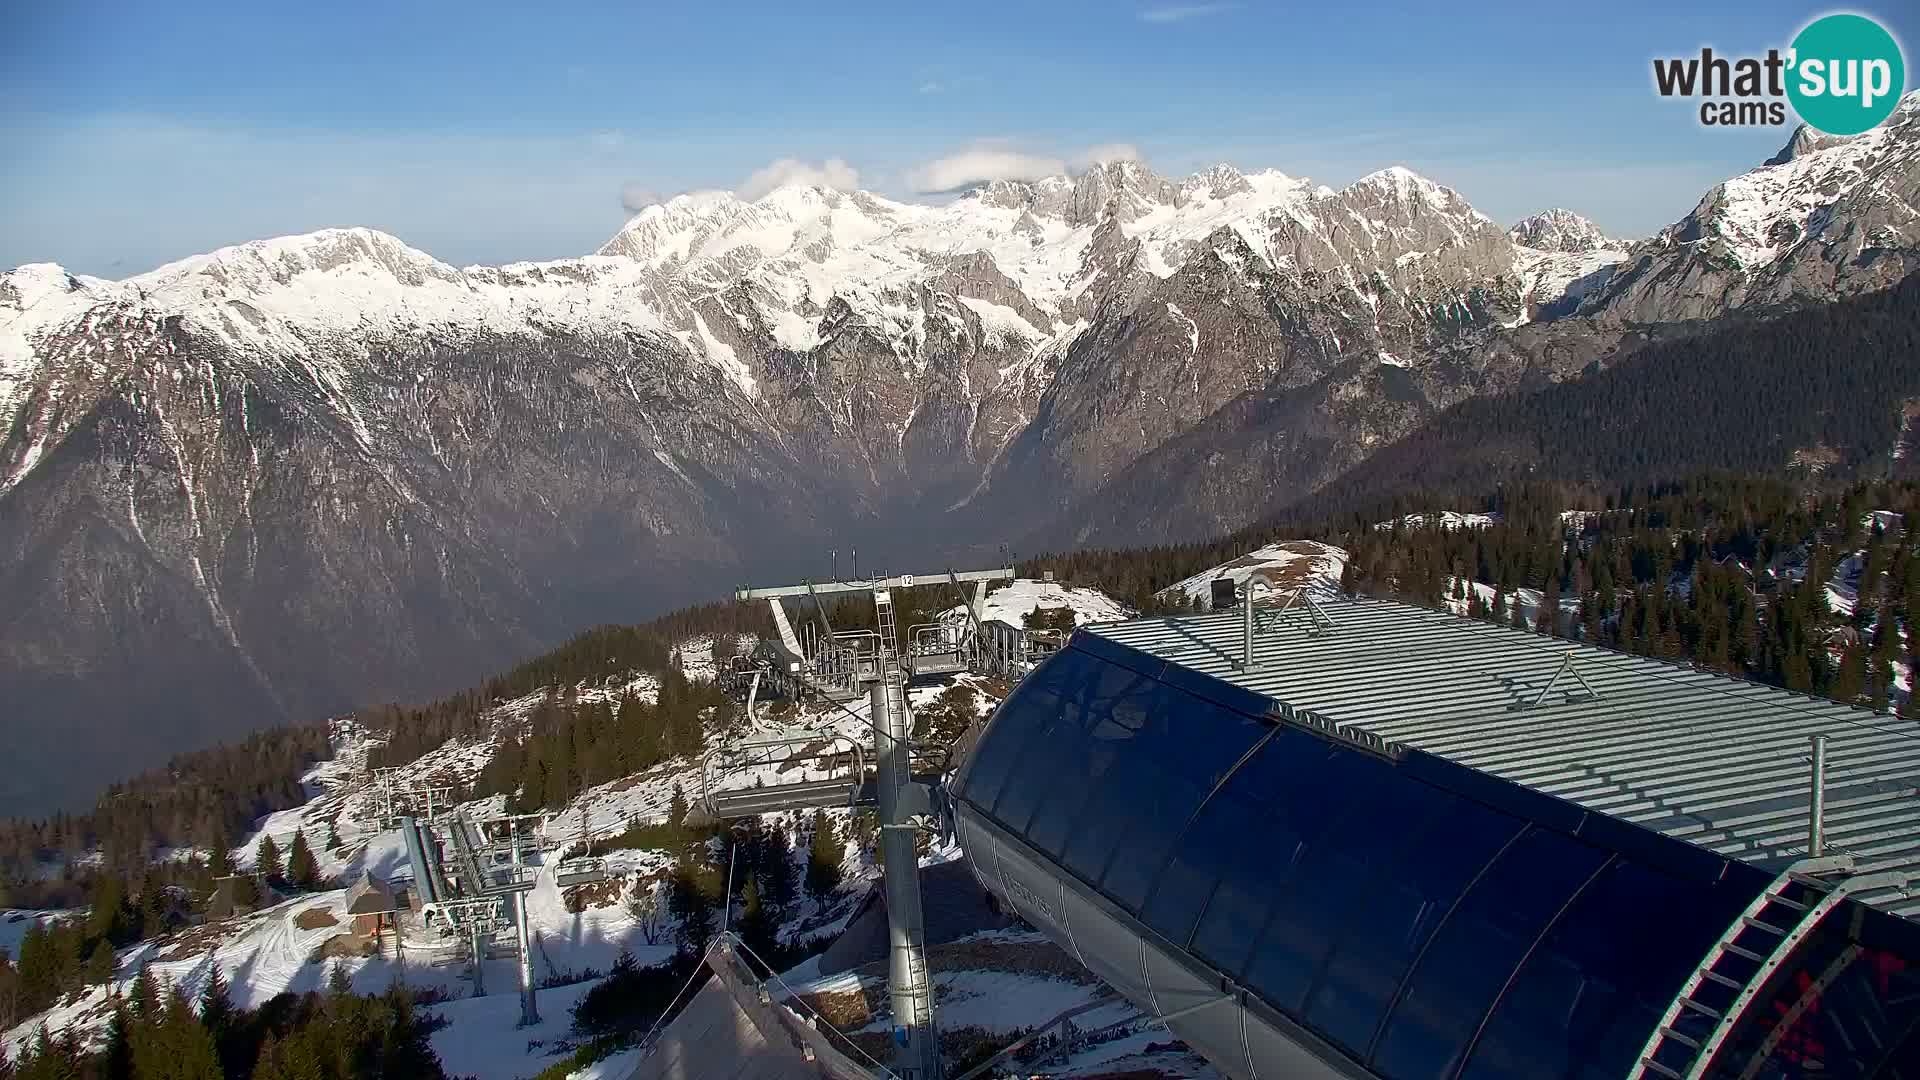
{"x": 779, "y": 882}
{"x": 1886, "y": 633}
{"x": 219, "y": 858}
{"x": 107, "y": 908}
{"x": 1851, "y": 680}
{"x": 266, "y": 860}
{"x": 190, "y": 1053}
{"x": 692, "y": 905}
{"x": 339, "y": 983}
{"x": 144, "y": 996}
{"x": 824, "y": 857}
{"x": 99, "y": 970}
{"x": 677, "y": 810}
{"x": 303, "y": 871}
{"x": 216, "y": 1003}
{"x": 116, "y": 1059}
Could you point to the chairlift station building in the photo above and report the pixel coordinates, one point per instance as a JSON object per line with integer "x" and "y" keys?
{"x": 1362, "y": 839}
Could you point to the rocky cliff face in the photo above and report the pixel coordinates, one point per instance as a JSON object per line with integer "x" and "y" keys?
{"x": 300, "y": 474}
{"x": 1826, "y": 217}
{"x": 1563, "y": 231}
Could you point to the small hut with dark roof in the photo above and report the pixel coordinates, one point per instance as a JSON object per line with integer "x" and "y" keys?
{"x": 370, "y": 905}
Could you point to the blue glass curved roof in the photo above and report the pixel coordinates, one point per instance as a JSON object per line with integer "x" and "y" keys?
{"x": 1425, "y": 919}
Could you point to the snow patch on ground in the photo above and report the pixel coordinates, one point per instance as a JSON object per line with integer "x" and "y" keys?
{"x": 1291, "y": 563}
{"x": 483, "y": 1038}
{"x": 1445, "y": 519}
{"x": 1012, "y": 601}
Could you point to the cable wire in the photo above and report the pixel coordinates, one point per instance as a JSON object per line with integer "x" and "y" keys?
{"x": 821, "y": 1023}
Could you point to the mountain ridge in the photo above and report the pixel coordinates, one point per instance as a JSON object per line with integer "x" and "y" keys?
{"x": 327, "y": 469}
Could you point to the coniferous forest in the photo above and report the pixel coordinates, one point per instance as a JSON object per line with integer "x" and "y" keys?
{"x": 157, "y": 1033}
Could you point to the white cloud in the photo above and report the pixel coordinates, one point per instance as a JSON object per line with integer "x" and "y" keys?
{"x": 932, "y": 86}
{"x": 986, "y": 162}
{"x": 1172, "y": 13}
{"x": 635, "y": 198}
{"x": 787, "y": 172}
{"x": 1105, "y": 152}
{"x": 980, "y": 165}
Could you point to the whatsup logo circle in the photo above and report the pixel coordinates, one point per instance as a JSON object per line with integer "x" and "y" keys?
{"x": 1846, "y": 74}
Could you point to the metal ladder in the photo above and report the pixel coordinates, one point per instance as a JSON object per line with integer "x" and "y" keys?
{"x": 889, "y": 645}
{"x": 1754, "y": 945}
{"x": 921, "y": 983}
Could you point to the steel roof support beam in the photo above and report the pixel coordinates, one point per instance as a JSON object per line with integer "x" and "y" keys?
{"x": 1567, "y": 666}
{"x": 898, "y": 581}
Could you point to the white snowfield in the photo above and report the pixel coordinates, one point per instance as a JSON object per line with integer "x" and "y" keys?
{"x": 1011, "y": 602}
{"x": 1306, "y": 564}
{"x": 1761, "y": 215}
{"x": 1445, "y": 519}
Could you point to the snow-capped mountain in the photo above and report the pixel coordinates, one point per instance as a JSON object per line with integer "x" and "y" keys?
{"x": 296, "y": 474}
{"x": 1825, "y": 217}
{"x": 1564, "y": 231}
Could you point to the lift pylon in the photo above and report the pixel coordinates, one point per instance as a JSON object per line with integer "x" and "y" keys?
{"x": 905, "y": 806}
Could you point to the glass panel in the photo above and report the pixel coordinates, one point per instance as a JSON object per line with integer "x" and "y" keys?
{"x": 1156, "y": 815}
{"x": 1108, "y": 813}
{"x": 1295, "y": 773}
{"x": 1031, "y": 707}
{"x": 1474, "y": 952}
{"x": 1196, "y": 739}
{"x": 1055, "y": 757}
{"x": 1177, "y": 899}
{"x": 1240, "y": 904}
{"x": 1378, "y": 909}
{"x": 1597, "y": 984}
{"x": 1232, "y": 843}
{"x": 1063, "y": 806}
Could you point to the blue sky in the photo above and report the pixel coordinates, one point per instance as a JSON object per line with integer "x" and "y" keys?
{"x": 136, "y": 133}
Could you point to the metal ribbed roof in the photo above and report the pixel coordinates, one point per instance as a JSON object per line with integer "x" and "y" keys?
{"x": 1719, "y": 762}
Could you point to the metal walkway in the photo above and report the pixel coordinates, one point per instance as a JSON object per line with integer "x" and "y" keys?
{"x": 734, "y": 1030}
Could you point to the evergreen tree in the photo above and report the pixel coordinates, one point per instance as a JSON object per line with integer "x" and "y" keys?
{"x": 677, "y": 810}
{"x": 1850, "y": 682}
{"x": 216, "y": 1004}
{"x": 755, "y": 925}
{"x": 303, "y": 870}
{"x": 99, "y": 971}
{"x": 779, "y": 883}
{"x": 824, "y": 857}
{"x": 220, "y": 860}
{"x": 185, "y": 1049}
{"x": 107, "y": 909}
{"x": 1886, "y": 634}
{"x": 116, "y": 1059}
{"x": 692, "y": 905}
{"x": 266, "y": 860}
{"x": 145, "y": 997}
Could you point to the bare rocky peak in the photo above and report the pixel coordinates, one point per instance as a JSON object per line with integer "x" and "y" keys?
{"x": 1562, "y": 230}
{"x": 1219, "y": 182}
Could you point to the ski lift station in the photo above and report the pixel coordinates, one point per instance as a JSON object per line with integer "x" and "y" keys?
{"x": 1354, "y": 838}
